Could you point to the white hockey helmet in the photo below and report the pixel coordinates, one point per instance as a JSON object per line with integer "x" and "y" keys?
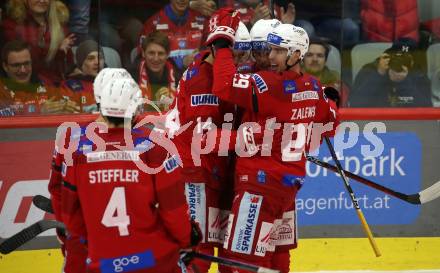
{"x": 290, "y": 37}
{"x": 259, "y": 32}
{"x": 120, "y": 98}
{"x": 105, "y": 76}
{"x": 242, "y": 40}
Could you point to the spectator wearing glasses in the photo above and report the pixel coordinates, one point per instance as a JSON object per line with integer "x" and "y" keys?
{"x": 41, "y": 23}
{"x": 22, "y": 91}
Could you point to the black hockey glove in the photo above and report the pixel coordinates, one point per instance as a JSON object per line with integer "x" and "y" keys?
{"x": 332, "y": 94}
{"x": 196, "y": 234}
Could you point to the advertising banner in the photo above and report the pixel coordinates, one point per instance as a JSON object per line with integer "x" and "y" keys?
{"x": 323, "y": 199}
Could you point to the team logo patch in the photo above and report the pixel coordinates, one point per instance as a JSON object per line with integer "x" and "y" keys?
{"x": 196, "y": 199}
{"x": 217, "y": 224}
{"x": 284, "y": 229}
{"x": 305, "y": 95}
{"x": 261, "y": 84}
{"x": 261, "y": 176}
{"x": 292, "y": 180}
{"x": 289, "y": 87}
{"x": 171, "y": 163}
{"x": 128, "y": 263}
{"x": 204, "y": 99}
{"x": 191, "y": 73}
{"x": 247, "y": 221}
{"x": 112, "y": 156}
{"x": 182, "y": 43}
{"x": 315, "y": 85}
{"x": 264, "y": 242}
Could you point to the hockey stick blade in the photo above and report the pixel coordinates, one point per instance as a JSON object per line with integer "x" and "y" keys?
{"x": 27, "y": 234}
{"x": 412, "y": 198}
{"x": 43, "y": 203}
{"x": 430, "y": 193}
{"x": 232, "y": 263}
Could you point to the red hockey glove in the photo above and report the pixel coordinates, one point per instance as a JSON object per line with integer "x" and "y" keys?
{"x": 223, "y": 24}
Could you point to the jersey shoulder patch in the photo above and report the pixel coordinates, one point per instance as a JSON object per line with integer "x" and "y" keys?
{"x": 260, "y": 83}
{"x": 171, "y": 164}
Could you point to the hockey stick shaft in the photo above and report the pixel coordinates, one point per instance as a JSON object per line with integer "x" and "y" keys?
{"x": 361, "y": 216}
{"x": 232, "y": 263}
{"x": 413, "y": 198}
{"x": 422, "y": 197}
{"x": 27, "y": 234}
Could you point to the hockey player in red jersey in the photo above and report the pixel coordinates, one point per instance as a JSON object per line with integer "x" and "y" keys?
{"x": 195, "y": 104}
{"x": 134, "y": 221}
{"x": 73, "y": 247}
{"x": 285, "y": 104}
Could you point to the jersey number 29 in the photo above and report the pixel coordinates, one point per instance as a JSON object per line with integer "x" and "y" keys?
{"x": 115, "y": 214}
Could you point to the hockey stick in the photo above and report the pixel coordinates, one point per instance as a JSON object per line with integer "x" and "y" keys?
{"x": 421, "y": 197}
{"x": 27, "y": 234}
{"x": 353, "y": 199}
{"x": 231, "y": 263}
{"x": 43, "y": 203}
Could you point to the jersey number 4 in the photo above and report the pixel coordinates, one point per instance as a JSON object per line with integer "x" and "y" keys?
{"x": 115, "y": 214}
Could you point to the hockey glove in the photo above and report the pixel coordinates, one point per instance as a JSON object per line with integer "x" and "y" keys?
{"x": 223, "y": 24}
{"x": 186, "y": 257}
{"x": 332, "y": 94}
{"x": 196, "y": 234}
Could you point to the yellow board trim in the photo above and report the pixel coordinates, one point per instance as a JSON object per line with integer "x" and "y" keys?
{"x": 312, "y": 255}
{"x": 357, "y": 254}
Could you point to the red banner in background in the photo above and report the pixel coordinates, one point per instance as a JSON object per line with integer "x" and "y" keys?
{"x": 24, "y": 173}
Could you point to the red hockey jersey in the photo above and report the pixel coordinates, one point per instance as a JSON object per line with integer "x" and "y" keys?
{"x": 134, "y": 220}
{"x": 185, "y": 36}
{"x": 196, "y": 104}
{"x": 295, "y": 100}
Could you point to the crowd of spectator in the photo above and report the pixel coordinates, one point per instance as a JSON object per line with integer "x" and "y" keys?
{"x": 53, "y": 49}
